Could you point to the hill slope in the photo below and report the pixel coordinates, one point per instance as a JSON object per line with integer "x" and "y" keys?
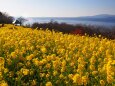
{"x": 37, "y": 57}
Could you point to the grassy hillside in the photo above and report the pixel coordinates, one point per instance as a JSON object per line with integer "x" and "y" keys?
{"x": 47, "y": 58}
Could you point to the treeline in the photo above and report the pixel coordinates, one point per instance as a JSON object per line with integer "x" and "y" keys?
{"x": 80, "y": 29}
{"x": 5, "y": 18}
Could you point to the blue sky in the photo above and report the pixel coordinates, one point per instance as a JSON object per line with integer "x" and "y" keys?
{"x": 57, "y": 8}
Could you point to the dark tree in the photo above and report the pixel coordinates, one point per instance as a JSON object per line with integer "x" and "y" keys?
{"x": 5, "y": 18}
{"x": 20, "y": 20}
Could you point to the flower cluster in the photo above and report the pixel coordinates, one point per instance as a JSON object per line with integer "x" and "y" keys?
{"x": 48, "y": 58}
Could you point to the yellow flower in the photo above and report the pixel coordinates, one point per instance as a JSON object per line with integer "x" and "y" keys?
{"x": 48, "y": 65}
{"x": 49, "y": 58}
{"x": 85, "y": 80}
{"x": 33, "y": 83}
{"x": 92, "y": 67}
{"x": 2, "y": 61}
{"x": 31, "y": 72}
{"x": 28, "y": 63}
{"x": 49, "y": 84}
{"x": 21, "y": 42}
{"x": 3, "y": 83}
{"x": 110, "y": 79}
{"x": 61, "y": 76}
{"x": 63, "y": 63}
{"x": 42, "y": 74}
{"x": 102, "y": 83}
{"x": 30, "y": 57}
{"x": 1, "y": 76}
{"x": 92, "y": 60}
{"x": 6, "y": 70}
{"x": 94, "y": 72}
{"x": 77, "y": 79}
{"x": 55, "y": 73}
{"x": 9, "y": 61}
{"x": 72, "y": 64}
{"x": 63, "y": 69}
{"x": 43, "y": 50}
{"x": 25, "y": 71}
{"x": 13, "y": 54}
{"x": 70, "y": 76}
{"x": 80, "y": 67}
{"x": 44, "y": 61}
{"x": 36, "y": 61}
{"x": 47, "y": 75}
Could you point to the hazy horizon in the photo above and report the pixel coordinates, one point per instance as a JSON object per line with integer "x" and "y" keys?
{"x": 57, "y": 8}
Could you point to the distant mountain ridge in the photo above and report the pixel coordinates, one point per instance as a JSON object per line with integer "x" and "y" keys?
{"x": 104, "y": 16}
{"x": 101, "y": 17}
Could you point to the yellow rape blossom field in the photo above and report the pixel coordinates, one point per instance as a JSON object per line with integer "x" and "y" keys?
{"x": 47, "y": 58}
